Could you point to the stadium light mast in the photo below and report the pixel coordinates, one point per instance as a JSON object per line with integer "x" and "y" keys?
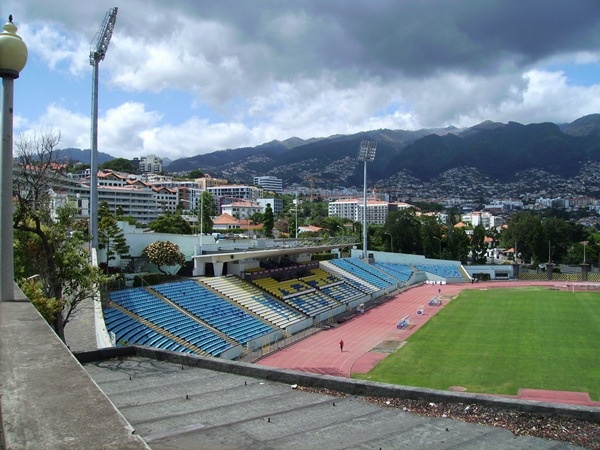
{"x": 366, "y": 153}
{"x": 97, "y": 54}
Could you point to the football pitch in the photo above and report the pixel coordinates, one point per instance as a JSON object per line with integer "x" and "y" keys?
{"x": 500, "y": 340}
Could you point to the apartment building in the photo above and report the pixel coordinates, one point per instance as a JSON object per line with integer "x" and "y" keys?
{"x": 236, "y": 191}
{"x": 269, "y": 183}
{"x": 241, "y": 209}
{"x": 354, "y": 209}
{"x": 276, "y": 205}
{"x": 149, "y": 164}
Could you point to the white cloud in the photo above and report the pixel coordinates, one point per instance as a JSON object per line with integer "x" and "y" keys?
{"x": 192, "y": 77}
{"x": 73, "y": 128}
{"x": 549, "y": 97}
{"x": 58, "y": 50}
{"x": 201, "y": 57}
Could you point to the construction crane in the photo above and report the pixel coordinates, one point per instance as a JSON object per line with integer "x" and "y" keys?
{"x": 97, "y": 54}
{"x": 311, "y": 181}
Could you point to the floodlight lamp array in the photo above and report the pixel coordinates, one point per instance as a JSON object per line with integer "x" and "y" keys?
{"x": 367, "y": 150}
{"x": 102, "y": 38}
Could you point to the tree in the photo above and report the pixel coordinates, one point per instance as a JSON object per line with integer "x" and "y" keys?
{"x": 171, "y": 223}
{"x": 164, "y": 253}
{"x": 561, "y": 234}
{"x": 405, "y": 228}
{"x": 292, "y": 226}
{"x": 458, "y": 245}
{"x": 110, "y": 235}
{"x": 318, "y": 210}
{"x": 268, "y": 221}
{"x": 205, "y": 212}
{"x": 334, "y": 225}
{"x": 524, "y": 231}
{"x": 120, "y": 165}
{"x": 195, "y": 173}
{"x": 478, "y": 247}
{"x": 432, "y": 236}
{"x": 257, "y": 218}
{"x": 53, "y": 239}
{"x": 78, "y": 167}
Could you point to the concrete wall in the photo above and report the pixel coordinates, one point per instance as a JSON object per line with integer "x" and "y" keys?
{"x": 353, "y": 387}
{"x": 257, "y": 343}
{"x": 138, "y": 240}
{"x": 302, "y": 325}
{"x": 324, "y": 316}
{"x": 232, "y": 353}
{"x": 491, "y": 270}
{"x": 47, "y": 399}
{"x": 102, "y": 336}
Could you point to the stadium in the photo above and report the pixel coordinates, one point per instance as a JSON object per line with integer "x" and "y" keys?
{"x": 279, "y": 314}
{"x": 260, "y": 298}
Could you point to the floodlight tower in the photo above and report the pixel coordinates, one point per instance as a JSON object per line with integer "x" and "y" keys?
{"x": 97, "y": 54}
{"x": 366, "y": 153}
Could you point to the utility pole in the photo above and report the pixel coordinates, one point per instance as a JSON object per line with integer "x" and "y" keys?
{"x": 97, "y": 54}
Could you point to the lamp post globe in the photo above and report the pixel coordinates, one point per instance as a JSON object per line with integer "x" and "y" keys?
{"x": 13, "y": 57}
{"x": 13, "y": 51}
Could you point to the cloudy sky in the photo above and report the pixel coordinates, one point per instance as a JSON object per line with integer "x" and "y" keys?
{"x": 186, "y": 77}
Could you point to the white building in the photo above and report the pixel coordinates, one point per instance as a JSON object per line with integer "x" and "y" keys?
{"x": 276, "y": 205}
{"x": 135, "y": 198}
{"x": 477, "y": 218}
{"x": 483, "y": 218}
{"x": 241, "y": 209}
{"x": 236, "y": 191}
{"x": 150, "y": 164}
{"x": 353, "y": 209}
{"x": 189, "y": 192}
{"x": 269, "y": 183}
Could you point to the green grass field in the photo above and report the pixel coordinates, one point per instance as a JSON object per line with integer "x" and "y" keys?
{"x": 500, "y": 340}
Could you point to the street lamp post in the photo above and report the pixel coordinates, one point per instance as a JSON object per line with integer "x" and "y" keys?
{"x": 13, "y": 57}
{"x": 391, "y": 241}
{"x": 584, "y": 245}
{"x": 366, "y": 153}
{"x": 296, "y": 218}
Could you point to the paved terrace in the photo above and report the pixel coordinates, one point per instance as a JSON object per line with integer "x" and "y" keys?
{"x": 214, "y": 404}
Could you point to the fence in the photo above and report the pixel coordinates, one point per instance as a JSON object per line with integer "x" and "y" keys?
{"x": 565, "y": 277}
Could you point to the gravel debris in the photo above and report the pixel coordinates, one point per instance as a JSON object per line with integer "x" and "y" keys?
{"x": 576, "y": 432}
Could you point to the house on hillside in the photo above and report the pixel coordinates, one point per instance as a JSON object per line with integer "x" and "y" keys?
{"x": 225, "y": 222}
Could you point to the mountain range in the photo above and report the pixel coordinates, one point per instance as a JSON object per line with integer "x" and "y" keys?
{"x": 492, "y": 151}
{"x": 497, "y": 151}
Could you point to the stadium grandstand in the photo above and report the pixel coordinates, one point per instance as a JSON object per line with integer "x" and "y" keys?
{"x": 249, "y": 300}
